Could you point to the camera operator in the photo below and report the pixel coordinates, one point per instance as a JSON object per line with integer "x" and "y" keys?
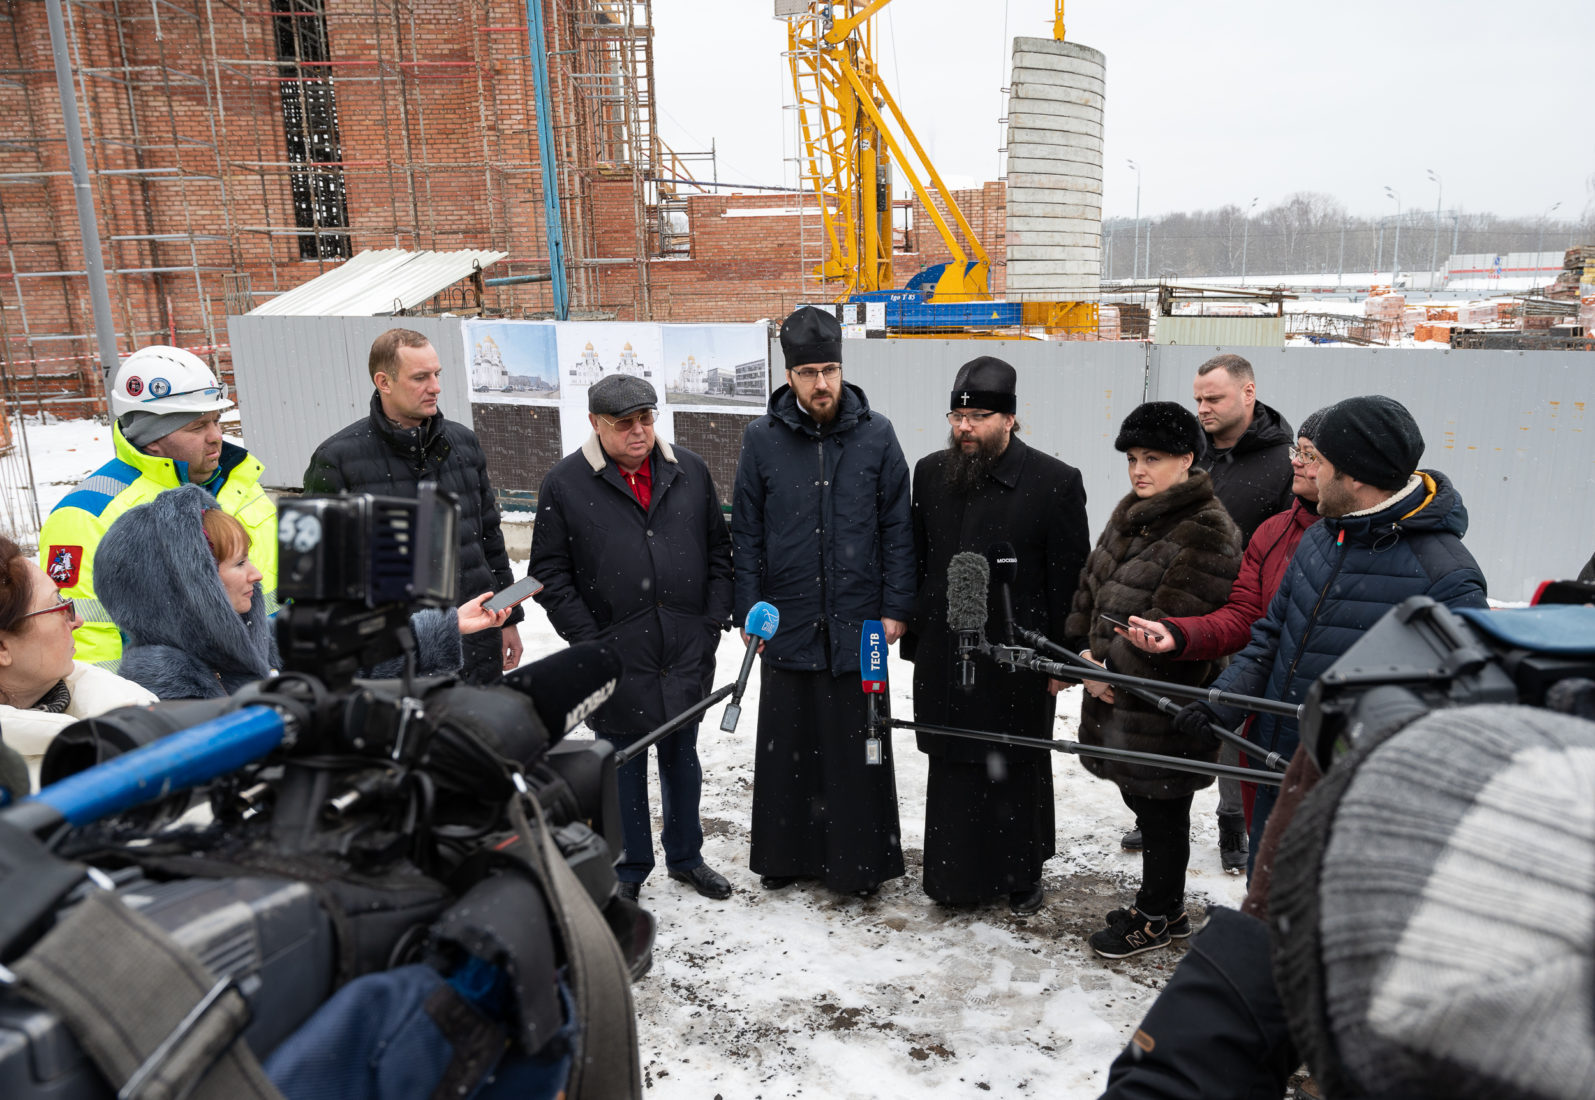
{"x": 176, "y": 577}
{"x": 1387, "y": 533}
{"x": 42, "y": 689}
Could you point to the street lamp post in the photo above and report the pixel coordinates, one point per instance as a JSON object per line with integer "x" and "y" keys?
{"x": 1395, "y": 248}
{"x": 1135, "y": 247}
{"x": 1538, "y": 247}
{"x": 1434, "y": 253}
{"x": 1245, "y": 235}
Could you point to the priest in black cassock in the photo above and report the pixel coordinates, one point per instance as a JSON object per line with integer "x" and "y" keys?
{"x": 988, "y": 808}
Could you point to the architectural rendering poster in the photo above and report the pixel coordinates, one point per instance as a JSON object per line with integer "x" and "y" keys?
{"x": 512, "y": 361}
{"x": 693, "y": 368}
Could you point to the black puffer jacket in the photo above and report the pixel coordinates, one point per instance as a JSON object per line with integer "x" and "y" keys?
{"x": 1175, "y": 553}
{"x": 1346, "y": 574}
{"x": 655, "y": 584}
{"x": 820, "y": 525}
{"x": 371, "y": 456}
{"x": 1252, "y": 478}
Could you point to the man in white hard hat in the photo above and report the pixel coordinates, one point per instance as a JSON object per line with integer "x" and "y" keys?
{"x": 167, "y": 406}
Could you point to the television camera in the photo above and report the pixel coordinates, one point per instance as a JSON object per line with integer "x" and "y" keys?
{"x": 317, "y": 827}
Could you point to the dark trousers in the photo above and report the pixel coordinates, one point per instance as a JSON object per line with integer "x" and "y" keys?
{"x": 680, "y": 783}
{"x": 1165, "y": 852}
{"x": 1262, "y": 806}
{"x": 484, "y": 657}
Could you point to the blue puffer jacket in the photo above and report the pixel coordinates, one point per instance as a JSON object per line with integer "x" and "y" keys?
{"x": 1347, "y": 572}
{"x": 820, "y": 528}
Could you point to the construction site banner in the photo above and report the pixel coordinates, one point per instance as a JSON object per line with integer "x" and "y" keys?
{"x": 694, "y": 368}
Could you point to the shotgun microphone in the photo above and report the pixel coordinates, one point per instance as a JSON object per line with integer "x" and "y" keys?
{"x": 1004, "y": 562}
{"x": 967, "y": 578}
{"x": 872, "y": 672}
{"x": 760, "y": 627}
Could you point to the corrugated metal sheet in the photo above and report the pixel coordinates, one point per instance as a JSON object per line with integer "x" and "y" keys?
{"x": 378, "y": 282}
{"x": 300, "y": 379}
{"x": 1244, "y": 332}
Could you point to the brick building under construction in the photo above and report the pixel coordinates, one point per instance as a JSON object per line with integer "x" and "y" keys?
{"x": 238, "y": 148}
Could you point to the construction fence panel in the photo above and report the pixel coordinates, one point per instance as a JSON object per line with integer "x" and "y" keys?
{"x": 1510, "y": 428}
{"x": 300, "y": 379}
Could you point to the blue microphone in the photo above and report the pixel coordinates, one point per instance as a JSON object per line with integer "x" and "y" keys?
{"x": 872, "y": 671}
{"x": 760, "y": 627}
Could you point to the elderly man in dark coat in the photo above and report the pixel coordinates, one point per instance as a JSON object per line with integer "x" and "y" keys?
{"x": 632, "y": 549}
{"x": 988, "y": 809}
{"x": 820, "y": 523}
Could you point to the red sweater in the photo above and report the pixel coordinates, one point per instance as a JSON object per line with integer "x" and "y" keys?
{"x": 1227, "y": 630}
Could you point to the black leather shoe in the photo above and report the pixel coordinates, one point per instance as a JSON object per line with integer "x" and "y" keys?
{"x": 1131, "y": 841}
{"x": 1024, "y": 902}
{"x": 706, "y": 880}
{"x": 629, "y": 890}
{"x": 777, "y": 882}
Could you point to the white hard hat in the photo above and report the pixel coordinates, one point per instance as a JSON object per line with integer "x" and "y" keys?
{"x": 165, "y": 380}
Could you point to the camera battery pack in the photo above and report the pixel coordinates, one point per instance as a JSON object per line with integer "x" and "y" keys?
{"x": 270, "y": 935}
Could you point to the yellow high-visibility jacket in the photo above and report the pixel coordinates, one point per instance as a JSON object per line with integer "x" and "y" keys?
{"x": 75, "y": 526}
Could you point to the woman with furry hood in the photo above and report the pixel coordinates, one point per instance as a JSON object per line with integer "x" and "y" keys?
{"x": 1169, "y": 549}
{"x": 175, "y": 577}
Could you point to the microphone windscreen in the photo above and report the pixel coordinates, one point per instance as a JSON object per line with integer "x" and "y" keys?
{"x": 968, "y": 577}
{"x": 762, "y": 621}
{"x": 567, "y": 687}
{"x": 1004, "y": 562}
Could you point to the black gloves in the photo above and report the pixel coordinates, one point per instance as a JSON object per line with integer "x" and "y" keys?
{"x": 1193, "y": 719}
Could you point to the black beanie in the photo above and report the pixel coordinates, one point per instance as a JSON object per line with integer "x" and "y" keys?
{"x": 1161, "y": 426}
{"x": 1309, "y": 427}
{"x": 1373, "y": 439}
{"x": 985, "y": 383}
{"x": 811, "y": 335}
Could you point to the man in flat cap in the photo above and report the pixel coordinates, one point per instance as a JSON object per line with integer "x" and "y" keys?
{"x": 820, "y": 523}
{"x": 632, "y": 550}
{"x": 988, "y": 808}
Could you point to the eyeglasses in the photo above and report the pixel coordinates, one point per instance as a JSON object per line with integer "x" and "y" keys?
{"x": 626, "y": 423}
{"x": 1304, "y": 456}
{"x": 219, "y": 391}
{"x": 975, "y": 419}
{"x": 64, "y": 605}
{"x": 809, "y": 374}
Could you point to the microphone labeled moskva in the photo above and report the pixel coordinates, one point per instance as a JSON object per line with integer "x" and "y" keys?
{"x": 872, "y": 672}
{"x": 568, "y": 687}
{"x": 760, "y": 626}
{"x": 968, "y": 576}
{"x": 1003, "y": 561}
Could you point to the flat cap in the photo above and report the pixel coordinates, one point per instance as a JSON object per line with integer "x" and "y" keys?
{"x": 621, "y": 395}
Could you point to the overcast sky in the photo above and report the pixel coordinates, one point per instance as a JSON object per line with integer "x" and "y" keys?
{"x": 1218, "y": 102}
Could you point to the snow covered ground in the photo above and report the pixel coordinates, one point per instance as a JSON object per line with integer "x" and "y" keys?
{"x": 800, "y": 992}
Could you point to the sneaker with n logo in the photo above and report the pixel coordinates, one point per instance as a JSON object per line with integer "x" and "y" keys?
{"x": 1179, "y": 928}
{"x": 1131, "y": 936}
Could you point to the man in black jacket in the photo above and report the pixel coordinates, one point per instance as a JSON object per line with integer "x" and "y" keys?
{"x": 406, "y": 440}
{"x": 820, "y": 525}
{"x": 1248, "y": 456}
{"x": 988, "y": 809}
{"x": 632, "y": 550}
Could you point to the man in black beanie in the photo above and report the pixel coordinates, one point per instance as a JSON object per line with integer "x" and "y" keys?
{"x": 820, "y": 528}
{"x": 1389, "y": 531}
{"x": 988, "y": 810}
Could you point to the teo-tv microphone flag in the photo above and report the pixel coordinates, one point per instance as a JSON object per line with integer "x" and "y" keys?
{"x": 872, "y": 657}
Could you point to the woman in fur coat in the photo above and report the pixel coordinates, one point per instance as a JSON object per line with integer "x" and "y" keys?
{"x": 1169, "y": 549}
{"x": 175, "y": 577}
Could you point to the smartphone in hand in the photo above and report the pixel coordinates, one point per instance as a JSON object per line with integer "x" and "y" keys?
{"x": 1115, "y": 622}
{"x": 523, "y": 589}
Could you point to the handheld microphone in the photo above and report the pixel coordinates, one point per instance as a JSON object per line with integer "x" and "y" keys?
{"x": 567, "y": 687}
{"x": 761, "y": 624}
{"x": 1004, "y": 562}
{"x": 967, "y": 578}
{"x": 872, "y": 671}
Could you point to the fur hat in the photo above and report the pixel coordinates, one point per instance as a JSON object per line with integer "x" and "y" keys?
{"x": 1433, "y": 910}
{"x": 985, "y": 383}
{"x": 1373, "y": 439}
{"x": 811, "y": 335}
{"x": 1161, "y": 426}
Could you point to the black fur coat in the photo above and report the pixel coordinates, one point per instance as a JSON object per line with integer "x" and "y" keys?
{"x": 1175, "y": 553}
